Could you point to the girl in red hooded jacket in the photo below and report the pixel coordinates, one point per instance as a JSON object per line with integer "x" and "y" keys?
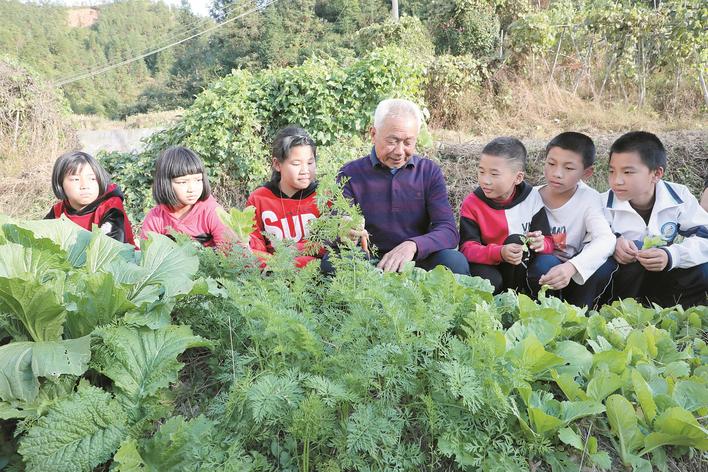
{"x": 286, "y": 204}
{"x": 87, "y": 197}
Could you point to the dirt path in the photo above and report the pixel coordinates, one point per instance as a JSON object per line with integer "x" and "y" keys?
{"x": 123, "y": 140}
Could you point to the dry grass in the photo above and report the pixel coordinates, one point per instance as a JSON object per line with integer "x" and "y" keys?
{"x": 33, "y": 132}
{"x": 524, "y": 109}
{"x": 29, "y": 194}
{"x": 26, "y": 160}
{"x": 32, "y": 122}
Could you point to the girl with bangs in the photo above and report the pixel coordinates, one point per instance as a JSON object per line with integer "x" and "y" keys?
{"x": 185, "y": 204}
{"x": 286, "y": 204}
{"x": 88, "y": 197}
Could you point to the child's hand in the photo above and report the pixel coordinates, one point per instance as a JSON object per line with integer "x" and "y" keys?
{"x": 512, "y": 253}
{"x": 625, "y": 251}
{"x": 654, "y": 259}
{"x": 358, "y": 234}
{"x": 535, "y": 241}
{"x": 559, "y": 276}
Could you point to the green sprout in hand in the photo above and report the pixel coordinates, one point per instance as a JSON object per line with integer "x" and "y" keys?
{"x": 653, "y": 241}
{"x": 525, "y": 241}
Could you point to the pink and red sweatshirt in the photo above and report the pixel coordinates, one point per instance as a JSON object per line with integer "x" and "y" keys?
{"x": 201, "y": 223}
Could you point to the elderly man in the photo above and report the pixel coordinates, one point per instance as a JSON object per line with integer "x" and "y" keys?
{"x": 403, "y": 196}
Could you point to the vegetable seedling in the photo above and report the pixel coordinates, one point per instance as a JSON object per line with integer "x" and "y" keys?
{"x": 653, "y": 241}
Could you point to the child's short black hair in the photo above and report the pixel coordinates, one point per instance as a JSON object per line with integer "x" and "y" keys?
{"x": 509, "y": 148}
{"x": 174, "y": 162}
{"x": 578, "y": 143}
{"x": 649, "y": 147}
{"x": 70, "y": 164}
{"x": 286, "y": 139}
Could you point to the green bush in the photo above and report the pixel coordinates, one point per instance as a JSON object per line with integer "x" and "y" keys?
{"x": 465, "y": 27}
{"x": 407, "y": 33}
{"x": 185, "y": 358}
{"x": 449, "y": 80}
{"x": 133, "y": 173}
{"x": 231, "y": 124}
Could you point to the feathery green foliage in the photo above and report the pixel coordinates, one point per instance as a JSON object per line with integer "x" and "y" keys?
{"x": 359, "y": 371}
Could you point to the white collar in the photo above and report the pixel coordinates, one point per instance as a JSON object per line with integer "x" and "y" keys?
{"x": 665, "y": 197}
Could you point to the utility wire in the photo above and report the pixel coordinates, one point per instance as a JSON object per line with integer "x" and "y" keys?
{"x": 103, "y": 69}
{"x": 200, "y": 23}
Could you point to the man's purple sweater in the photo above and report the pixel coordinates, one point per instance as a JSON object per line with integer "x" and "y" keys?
{"x": 408, "y": 204}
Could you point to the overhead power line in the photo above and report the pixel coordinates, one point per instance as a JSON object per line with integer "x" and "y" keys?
{"x": 199, "y": 24}
{"x": 109, "y": 67}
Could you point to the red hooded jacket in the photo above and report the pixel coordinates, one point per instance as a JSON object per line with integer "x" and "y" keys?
{"x": 107, "y": 212}
{"x": 283, "y": 217}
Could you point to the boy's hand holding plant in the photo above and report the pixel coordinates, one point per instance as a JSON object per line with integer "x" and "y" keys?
{"x": 533, "y": 241}
{"x": 625, "y": 251}
{"x": 559, "y": 276}
{"x": 512, "y": 253}
{"x": 654, "y": 260}
{"x": 650, "y": 256}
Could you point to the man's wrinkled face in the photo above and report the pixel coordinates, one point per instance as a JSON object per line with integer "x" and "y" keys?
{"x": 395, "y": 140}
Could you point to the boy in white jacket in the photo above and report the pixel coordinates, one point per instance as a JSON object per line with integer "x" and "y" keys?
{"x": 580, "y": 267}
{"x": 645, "y": 210}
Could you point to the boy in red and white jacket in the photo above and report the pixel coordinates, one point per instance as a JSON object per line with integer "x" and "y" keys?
{"x": 495, "y": 216}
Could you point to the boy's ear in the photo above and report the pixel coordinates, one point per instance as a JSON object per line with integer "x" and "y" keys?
{"x": 658, "y": 174}
{"x": 587, "y": 173}
{"x": 276, "y": 165}
{"x": 519, "y": 177}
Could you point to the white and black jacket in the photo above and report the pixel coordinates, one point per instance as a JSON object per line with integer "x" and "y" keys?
{"x": 676, "y": 212}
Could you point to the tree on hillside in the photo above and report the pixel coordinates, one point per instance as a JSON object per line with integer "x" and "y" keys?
{"x": 40, "y": 36}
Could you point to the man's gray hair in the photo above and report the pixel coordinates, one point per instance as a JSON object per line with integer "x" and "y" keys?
{"x": 398, "y": 108}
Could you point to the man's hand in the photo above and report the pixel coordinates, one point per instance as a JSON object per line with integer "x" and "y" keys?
{"x": 559, "y": 276}
{"x": 512, "y": 253}
{"x": 625, "y": 251}
{"x": 395, "y": 258}
{"x": 653, "y": 259}
{"x": 535, "y": 241}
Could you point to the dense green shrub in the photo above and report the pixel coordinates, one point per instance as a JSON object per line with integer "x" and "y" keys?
{"x": 407, "y": 33}
{"x": 133, "y": 173}
{"x": 464, "y": 27}
{"x": 230, "y": 125}
{"x": 450, "y": 80}
{"x": 87, "y": 302}
{"x": 359, "y": 371}
{"x": 424, "y": 372}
